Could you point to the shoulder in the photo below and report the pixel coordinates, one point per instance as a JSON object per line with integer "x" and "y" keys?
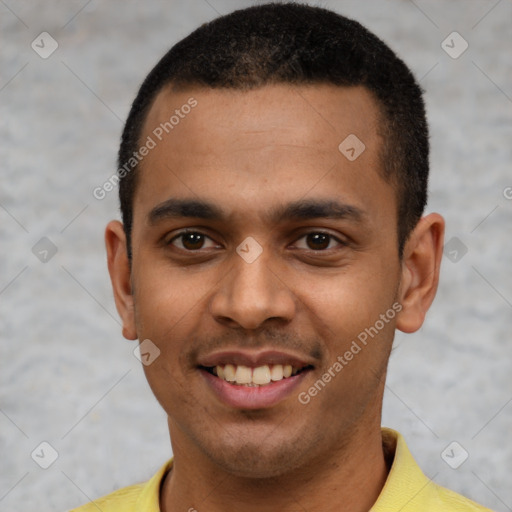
{"x": 452, "y": 501}
{"x": 122, "y": 500}
{"x": 142, "y": 497}
{"x": 409, "y": 490}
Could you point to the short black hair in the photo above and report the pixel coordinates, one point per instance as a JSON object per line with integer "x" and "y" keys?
{"x": 293, "y": 43}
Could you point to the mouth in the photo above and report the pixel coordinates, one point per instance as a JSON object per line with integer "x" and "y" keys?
{"x": 241, "y": 375}
{"x": 243, "y": 380}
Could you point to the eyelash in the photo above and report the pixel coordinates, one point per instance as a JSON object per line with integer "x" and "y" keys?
{"x": 315, "y": 232}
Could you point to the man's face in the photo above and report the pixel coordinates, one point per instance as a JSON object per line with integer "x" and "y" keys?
{"x": 206, "y": 301}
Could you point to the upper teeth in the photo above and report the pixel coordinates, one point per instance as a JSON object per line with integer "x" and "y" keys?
{"x": 254, "y": 376}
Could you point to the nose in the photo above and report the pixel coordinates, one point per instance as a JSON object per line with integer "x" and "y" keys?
{"x": 252, "y": 294}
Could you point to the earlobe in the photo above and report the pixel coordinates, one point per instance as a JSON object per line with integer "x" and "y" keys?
{"x": 120, "y": 276}
{"x": 420, "y": 272}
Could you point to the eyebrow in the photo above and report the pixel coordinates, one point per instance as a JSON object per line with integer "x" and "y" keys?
{"x": 303, "y": 209}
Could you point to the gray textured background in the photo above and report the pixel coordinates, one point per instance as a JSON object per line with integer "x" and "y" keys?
{"x": 67, "y": 375}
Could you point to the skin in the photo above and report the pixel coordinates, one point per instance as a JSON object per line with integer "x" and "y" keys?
{"x": 248, "y": 152}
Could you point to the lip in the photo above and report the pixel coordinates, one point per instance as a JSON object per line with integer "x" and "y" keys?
{"x": 246, "y": 397}
{"x": 253, "y": 359}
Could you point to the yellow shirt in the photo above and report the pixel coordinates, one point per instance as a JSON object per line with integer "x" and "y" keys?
{"x": 406, "y": 489}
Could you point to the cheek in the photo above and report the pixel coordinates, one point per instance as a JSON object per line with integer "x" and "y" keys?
{"x": 353, "y": 314}
{"x": 342, "y": 305}
{"x": 165, "y": 298}
{"x": 163, "y": 313}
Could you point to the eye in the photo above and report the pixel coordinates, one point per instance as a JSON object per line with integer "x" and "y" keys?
{"x": 319, "y": 241}
{"x": 194, "y": 241}
{"x": 191, "y": 241}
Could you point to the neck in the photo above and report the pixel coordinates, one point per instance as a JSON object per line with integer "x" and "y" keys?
{"x": 348, "y": 478}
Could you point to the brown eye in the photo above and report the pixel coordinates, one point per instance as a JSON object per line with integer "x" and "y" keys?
{"x": 319, "y": 241}
{"x": 190, "y": 241}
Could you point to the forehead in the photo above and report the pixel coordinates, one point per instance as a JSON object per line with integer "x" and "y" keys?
{"x": 320, "y": 108}
{"x": 277, "y": 139}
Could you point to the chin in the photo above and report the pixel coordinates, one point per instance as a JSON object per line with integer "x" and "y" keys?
{"x": 254, "y": 463}
{"x": 261, "y": 457}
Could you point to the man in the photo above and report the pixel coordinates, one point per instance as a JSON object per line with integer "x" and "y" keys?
{"x": 273, "y": 176}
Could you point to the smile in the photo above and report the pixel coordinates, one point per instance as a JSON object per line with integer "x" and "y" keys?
{"x": 263, "y": 375}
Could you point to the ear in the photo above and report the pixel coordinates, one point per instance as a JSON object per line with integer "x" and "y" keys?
{"x": 420, "y": 272}
{"x": 120, "y": 276}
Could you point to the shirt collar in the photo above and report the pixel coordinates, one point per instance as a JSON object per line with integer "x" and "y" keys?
{"x": 149, "y": 499}
{"x": 406, "y": 487}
